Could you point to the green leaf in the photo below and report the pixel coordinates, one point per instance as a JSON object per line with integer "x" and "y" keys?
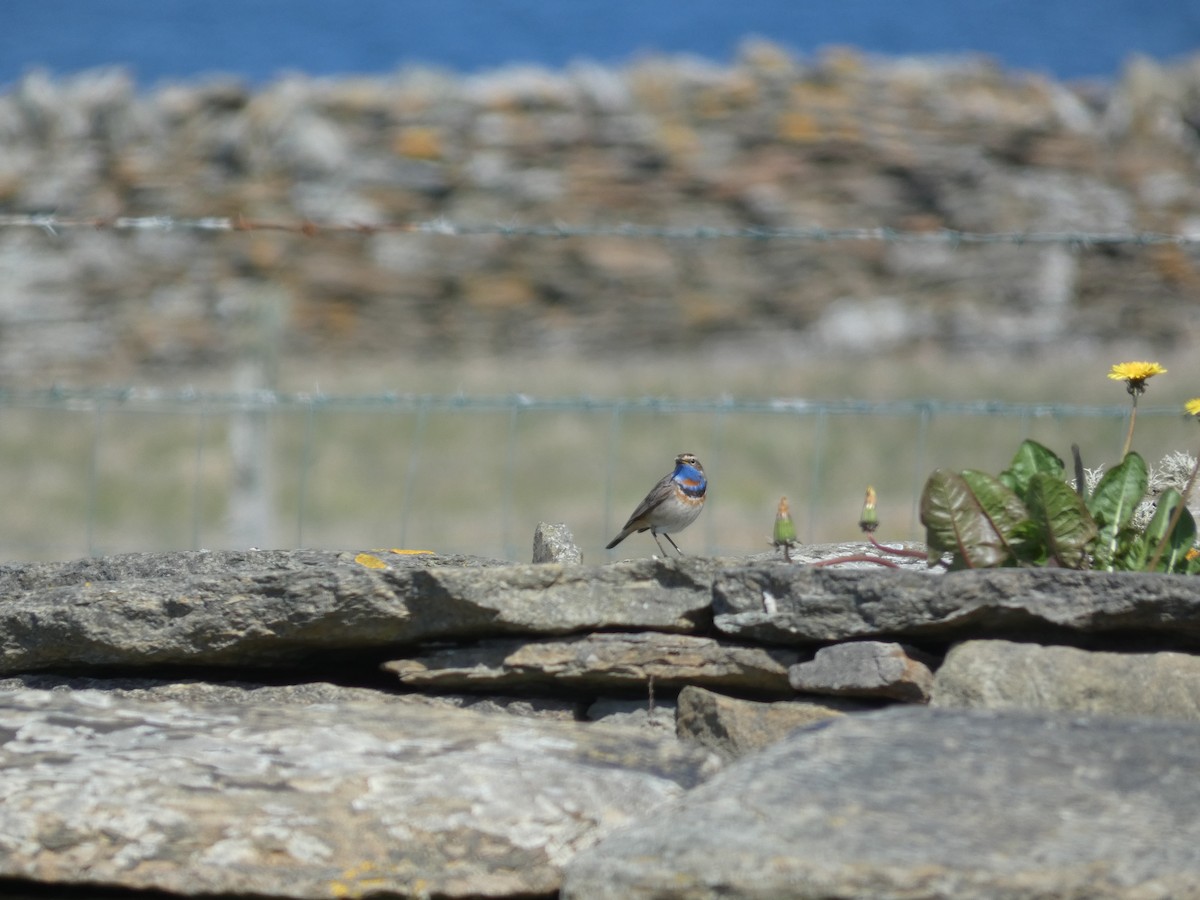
{"x": 956, "y": 522}
{"x": 1119, "y": 492}
{"x": 1067, "y": 527}
{"x": 1029, "y": 544}
{"x": 1112, "y": 506}
{"x": 1132, "y": 551}
{"x": 1003, "y": 509}
{"x": 1174, "y": 556}
{"x": 1030, "y": 459}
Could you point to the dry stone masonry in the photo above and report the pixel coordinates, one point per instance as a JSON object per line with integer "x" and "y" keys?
{"x": 312, "y": 724}
{"x": 839, "y": 141}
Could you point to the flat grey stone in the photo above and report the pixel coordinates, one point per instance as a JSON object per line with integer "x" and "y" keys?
{"x": 194, "y": 690}
{"x": 317, "y": 800}
{"x": 792, "y": 605}
{"x": 920, "y": 802}
{"x": 1004, "y": 675}
{"x": 295, "y": 608}
{"x": 264, "y": 609}
{"x": 864, "y": 669}
{"x": 600, "y": 662}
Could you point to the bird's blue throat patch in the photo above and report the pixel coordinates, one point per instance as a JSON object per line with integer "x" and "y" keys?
{"x": 692, "y": 483}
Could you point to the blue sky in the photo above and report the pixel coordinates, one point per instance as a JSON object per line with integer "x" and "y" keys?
{"x": 256, "y": 39}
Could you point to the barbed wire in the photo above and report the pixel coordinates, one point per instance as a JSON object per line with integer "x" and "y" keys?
{"x": 152, "y": 399}
{"x": 53, "y": 224}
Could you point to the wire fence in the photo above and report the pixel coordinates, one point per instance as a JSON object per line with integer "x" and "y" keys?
{"x": 97, "y": 471}
{"x": 140, "y": 469}
{"x": 52, "y": 224}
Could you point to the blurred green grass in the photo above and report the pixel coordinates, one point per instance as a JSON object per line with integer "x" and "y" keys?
{"x": 77, "y": 482}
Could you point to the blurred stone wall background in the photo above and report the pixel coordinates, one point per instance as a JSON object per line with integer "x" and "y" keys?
{"x": 839, "y": 141}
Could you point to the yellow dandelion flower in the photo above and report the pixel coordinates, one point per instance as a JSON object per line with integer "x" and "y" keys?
{"x": 1193, "y": 407}
{"x": 1191, "y": 554}
{"x": 1135, "y": 374}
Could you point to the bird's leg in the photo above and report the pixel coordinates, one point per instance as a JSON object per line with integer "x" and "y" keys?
{"x": 673, "y": 544}
{"x": 660, "y": 546}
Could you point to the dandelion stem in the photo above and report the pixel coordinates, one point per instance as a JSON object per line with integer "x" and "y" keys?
{"x": 1175, "y": 517}
{"x": 1132, "y": 420}
{"x": 897, "y": 551}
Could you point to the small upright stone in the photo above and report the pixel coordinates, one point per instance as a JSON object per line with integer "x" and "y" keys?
{"x": 555, "y": 544}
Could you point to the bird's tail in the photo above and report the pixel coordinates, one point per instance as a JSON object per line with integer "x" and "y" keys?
{"x": 620, "y": 537}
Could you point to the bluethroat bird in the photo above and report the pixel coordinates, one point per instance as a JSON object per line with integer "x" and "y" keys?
{"x": 672, "y": 505}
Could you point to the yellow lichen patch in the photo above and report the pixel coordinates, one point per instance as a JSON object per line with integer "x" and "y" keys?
{"x": 411, "y": 552}
{"x": 361, "y": 881}
{"x": 361, "y": 888}
{"x": 370, "y": 560}
{"x": 800, "y": 128}
{"x": 710, "y": 310}
{"x": 498, "y": 291}
{"x": 418, "y": 143}
{"x": 822, "y": 97}
{"x": 718, "y": 101}
{"x": 1173, "y": 265}
{"x": 678, "y": 140}
{"x": 329, "y": 316}
{"x": 265, "y": 251}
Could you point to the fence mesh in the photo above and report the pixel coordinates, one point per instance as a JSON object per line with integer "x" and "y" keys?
{"x": 99, "y": 471}
{"x": 53, "y": 224}
{"x": 115, "y": 470}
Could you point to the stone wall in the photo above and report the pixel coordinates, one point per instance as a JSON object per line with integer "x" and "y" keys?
{"x": 309, "y": 724}
{"x": 840, "y": 141}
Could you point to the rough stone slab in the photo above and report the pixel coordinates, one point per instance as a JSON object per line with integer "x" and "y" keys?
{"x": 289, "y": 608}
{"x": 314, "y": 801}
{"x": 1005, "y": 675}
{"x": 555, "y": 544}
{"x": 864, "y": 669}
{"x": 260, "y": 609}
{"x": 789, "y": 605}
{"x": 733, "y": 727}
{"x": 921, "y": 802}
{"x": 194, "y": 690}
{"x": 17, "y": 578}
{"x": 551, "y": 598}
{"x": 608, "y": 661}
